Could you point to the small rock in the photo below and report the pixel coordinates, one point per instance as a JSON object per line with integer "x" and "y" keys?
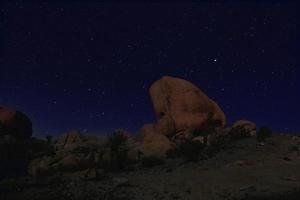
{"x": 261, "y": 144}
{"x": 120, "y": 181}
{"x": 249, "y": 188}
{"x": 169, "y": 170}
{"x": 290, "y": 178}
{"x": 189, "y": 191}
{"x": 242, "y": 163}
{"x": 92, "y": 174}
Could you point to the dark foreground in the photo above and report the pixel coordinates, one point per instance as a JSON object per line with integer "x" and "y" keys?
{"x": 247, "y": 170}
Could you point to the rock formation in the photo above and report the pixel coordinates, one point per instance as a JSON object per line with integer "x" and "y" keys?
{"x": 70, "y": 140}
{"x": 179, "y": 105}
{"x": 154, "y": 143}
{"x": 73, "y": 151}
{"x": 14, "y": 123}
{"x": 180, "y": 108}
{"x": 243, "y": 128}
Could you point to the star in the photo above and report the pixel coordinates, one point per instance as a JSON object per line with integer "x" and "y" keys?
{"x": 143, "y": 85}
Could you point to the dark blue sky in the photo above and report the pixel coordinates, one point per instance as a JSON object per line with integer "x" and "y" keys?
{"x": 88, "y": 66}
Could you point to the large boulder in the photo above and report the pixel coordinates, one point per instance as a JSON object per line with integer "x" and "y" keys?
{"x": 14, "y": 123}
{"x": 244, "y": 127}
{"x": 246, "y": 124}
{"x": 154, "y": 144}
{"x": 179, "y": 105}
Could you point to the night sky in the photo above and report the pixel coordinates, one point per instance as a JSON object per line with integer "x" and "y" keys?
{"x": 89, "y": 66}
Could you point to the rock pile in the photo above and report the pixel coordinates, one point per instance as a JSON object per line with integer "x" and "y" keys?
{"x": 243, "y": 128}
{"x": 73, "y": 152}
{"x": 180, "y": 108}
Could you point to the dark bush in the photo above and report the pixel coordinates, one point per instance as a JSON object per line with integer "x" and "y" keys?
{"x": 49, "y": 139}
{"x": 191, "y": 150}
{"x": 118, "y": 150}
{"x": 218, "y": 143}
{"x": 151, "y": 161}
{"x": 172, "y": 153}
{"x": 263, "y": 133}
{"x": 15, "y": 154}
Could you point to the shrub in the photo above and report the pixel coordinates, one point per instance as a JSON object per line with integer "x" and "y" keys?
{"x": 118, "y": 150}
{"x": 172, "y": 153}
{"x": 263, "y": 133}
{"x": 218, "y": 142}
{"x": 118, "y": 139}
{"x": 49, "y": 139}
{"x": 191, "y": 150}
{"x": 151, "y": 161}
{"x": 40, "y": 148}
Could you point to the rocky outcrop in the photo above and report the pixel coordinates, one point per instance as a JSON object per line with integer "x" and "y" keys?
{"x": 243, "y": 128}
{"x": 180, "y": 108}
{"x": 179, "y": 105}
{"x": 14, "y": 123}
{"x": 70, "y": 140}
{"x": 73, "y": 151}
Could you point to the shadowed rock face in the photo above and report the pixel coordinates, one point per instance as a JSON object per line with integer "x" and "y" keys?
{"x": 180, "y": 105}
{"x": 14, "y": 123}
{"x": 154, "y": 143}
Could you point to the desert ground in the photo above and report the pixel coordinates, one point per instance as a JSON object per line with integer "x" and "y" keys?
{"x": 245, "y": 169}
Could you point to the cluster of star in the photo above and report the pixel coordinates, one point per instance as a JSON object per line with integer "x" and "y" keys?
{"x": 90, "y": 65}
